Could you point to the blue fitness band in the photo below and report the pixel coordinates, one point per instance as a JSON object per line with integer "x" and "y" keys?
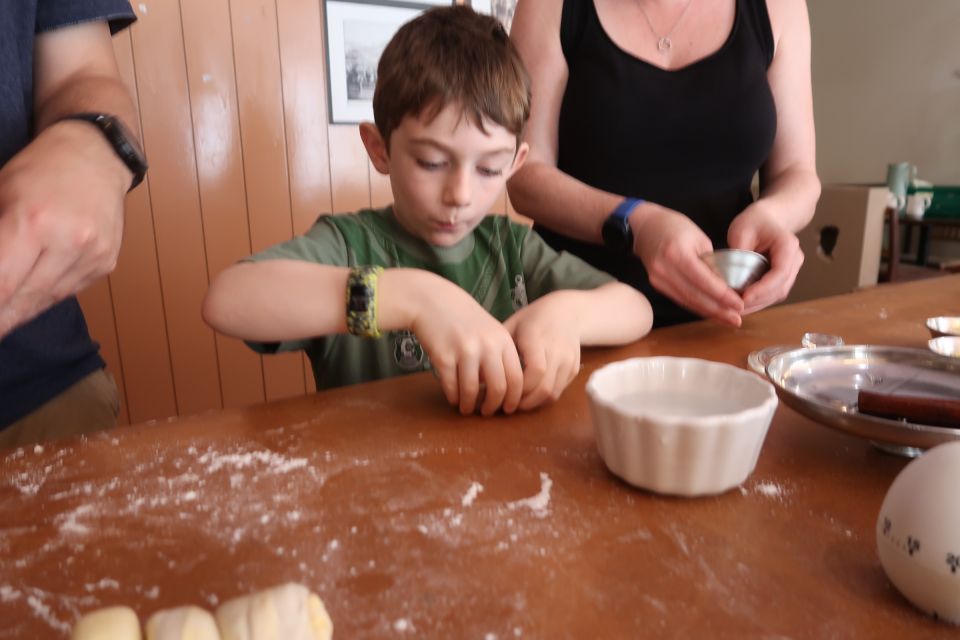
{"x": 625, "y": 208}
{"x": 616, "y": 232}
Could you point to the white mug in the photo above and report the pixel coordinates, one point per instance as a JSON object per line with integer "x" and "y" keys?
{"x": 917, "y": 204}
{"x": 899, "y": 176}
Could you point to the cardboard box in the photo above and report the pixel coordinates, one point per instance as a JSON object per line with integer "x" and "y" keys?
{"x": 842, "y": 243}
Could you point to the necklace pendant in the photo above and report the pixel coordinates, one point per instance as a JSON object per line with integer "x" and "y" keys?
{"x": 664, "y": 44}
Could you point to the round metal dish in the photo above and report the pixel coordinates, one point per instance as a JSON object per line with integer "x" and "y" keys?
{"x": 823, "y": 384}
{"x": 759, "y": 359}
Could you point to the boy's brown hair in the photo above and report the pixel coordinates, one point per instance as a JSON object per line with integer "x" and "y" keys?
{"x": 446, "y": 55}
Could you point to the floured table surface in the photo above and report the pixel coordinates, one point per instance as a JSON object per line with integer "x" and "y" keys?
{"x": 409, "y": 520}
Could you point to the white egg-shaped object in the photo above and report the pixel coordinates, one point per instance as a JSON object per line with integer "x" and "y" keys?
{"x": 918, "y": 532}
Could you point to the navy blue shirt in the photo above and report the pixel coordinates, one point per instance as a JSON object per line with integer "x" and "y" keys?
{"x": 52, "y": 352}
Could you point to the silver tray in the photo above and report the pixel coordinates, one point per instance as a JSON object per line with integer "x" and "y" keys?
{"x": 823, "y": 384}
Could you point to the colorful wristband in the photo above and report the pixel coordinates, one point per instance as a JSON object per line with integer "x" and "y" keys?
{"x": 362, "y": 301}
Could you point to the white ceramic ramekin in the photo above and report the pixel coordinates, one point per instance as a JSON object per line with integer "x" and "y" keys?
{"x": 680, "y": 426}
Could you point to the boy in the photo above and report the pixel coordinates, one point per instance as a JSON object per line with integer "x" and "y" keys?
{"x": 432, "y": 281}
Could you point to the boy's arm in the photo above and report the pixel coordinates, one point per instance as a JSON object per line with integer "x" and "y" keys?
{"x": 278, "y": 300}
{"x": 550, "y": 331}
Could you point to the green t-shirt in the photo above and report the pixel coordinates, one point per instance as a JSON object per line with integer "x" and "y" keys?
{"x": 502, "y": 264}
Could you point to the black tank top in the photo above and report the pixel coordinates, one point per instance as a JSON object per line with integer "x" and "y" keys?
{"x": 689, "y": 139}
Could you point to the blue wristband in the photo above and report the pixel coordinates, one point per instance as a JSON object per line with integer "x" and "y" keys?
{"x": 625, "y": 208}
{"x": 616, "y": 232}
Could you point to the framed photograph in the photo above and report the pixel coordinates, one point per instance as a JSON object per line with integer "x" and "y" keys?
{"x": 500, "y": 9}
{"x": 357, "y": 33}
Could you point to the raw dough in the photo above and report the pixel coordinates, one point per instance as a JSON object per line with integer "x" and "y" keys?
{"x": 109, "y": 623}
{"x": 182, "y": 623}
{"x": 287, "y": 612}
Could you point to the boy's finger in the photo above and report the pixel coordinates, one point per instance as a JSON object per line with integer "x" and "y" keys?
{"x": 514, "y": 377}
{"x": 535, "y": 364}
{"x": 544, "y": 388}
{"x": 468, "y": 373}
{"x": 495, "y": 380}
{"x": 449, "y": 384}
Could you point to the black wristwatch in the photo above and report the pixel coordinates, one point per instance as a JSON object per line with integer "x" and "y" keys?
{"x": 124, "y": 143}
{"x": 616, "y": 231}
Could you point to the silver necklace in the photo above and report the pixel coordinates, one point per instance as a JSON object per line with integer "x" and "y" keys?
{"x": 664, "y": 43}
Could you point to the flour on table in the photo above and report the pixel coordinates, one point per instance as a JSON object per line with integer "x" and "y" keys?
{"x": 402, "y": 625}
{"x": 475, "y": 489}
{"x": 106, "y": 583}
{"x": 275, "y": 462}
{"x": 42, "y": 611}
{"x": 69, "y": 522}
{"x": 769, "y": 489}
{"x": 8, "y": 593}
{"x": 540, "y": 503}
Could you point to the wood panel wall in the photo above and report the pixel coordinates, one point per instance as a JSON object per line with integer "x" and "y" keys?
{"x": 233, "y": 113}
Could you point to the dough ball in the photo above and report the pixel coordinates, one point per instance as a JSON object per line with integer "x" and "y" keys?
{"x": 287, "y": 612}
{"x": 109, "y": 623}
{"x": 182, "y": 623}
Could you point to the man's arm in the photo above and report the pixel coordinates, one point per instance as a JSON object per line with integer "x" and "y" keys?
{"x": 61, "y": 196}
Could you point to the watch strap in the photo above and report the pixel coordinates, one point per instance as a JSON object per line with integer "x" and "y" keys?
{"x": 362, "y": 301}
{"x": 626, "y": 206}
{"x": 120, "y": 140}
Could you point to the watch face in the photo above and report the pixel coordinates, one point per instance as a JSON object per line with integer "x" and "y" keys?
{"x": 360, "y": 296}
{"x": 617, "y": 234}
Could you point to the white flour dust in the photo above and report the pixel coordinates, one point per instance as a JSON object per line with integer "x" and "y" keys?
{"x": 8, "y": 593}
{"x": 274, "y": 462}
{"x": 769, "y": 489}
{"x": 540, "y": 503}
{"x": 475, "y": 489}
{"x": 402, "y": 625}
{"x": 228, "y": 496}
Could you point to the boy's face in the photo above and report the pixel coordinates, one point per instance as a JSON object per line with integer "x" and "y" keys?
{"x": 445, "y": 174}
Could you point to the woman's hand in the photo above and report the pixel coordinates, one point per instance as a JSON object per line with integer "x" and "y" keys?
{"x": 758, "y": 229}
{"x": 670, "y": 246}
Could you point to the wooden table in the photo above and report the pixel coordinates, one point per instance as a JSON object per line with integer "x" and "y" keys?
{"x": 410, "y": 520}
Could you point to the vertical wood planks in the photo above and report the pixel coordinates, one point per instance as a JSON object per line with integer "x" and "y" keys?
{"x": 349, "y": 169}
{"x": 260, "y": 98}
{"x": 168, "y": 140}
{"x": 302, "y": 64}
{"x": 141, "y": 329}
{"x": 208, "y": 45}
{"x": 97, "y": 307}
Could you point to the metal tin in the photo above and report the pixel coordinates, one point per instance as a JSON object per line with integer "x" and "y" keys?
{"x": 823, "y": 384}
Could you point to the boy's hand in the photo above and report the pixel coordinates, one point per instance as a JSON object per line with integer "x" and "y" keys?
{"x": 467, "y": 347}
{"x": 549, "y": 345}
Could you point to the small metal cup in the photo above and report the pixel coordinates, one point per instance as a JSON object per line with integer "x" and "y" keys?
{"x": 944, "y": 326}
{"x": 945, "y": 346}
{"x": 738, "y": 268}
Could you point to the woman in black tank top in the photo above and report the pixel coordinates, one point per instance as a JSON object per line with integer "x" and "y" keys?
{"x": 678, "y": 103}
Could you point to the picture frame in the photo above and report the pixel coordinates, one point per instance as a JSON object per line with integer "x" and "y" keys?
{"x": 356, "y": 32}
{"x": 499, "y": 9}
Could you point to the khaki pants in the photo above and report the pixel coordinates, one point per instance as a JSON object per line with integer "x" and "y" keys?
{"x": 92, "y": 404}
